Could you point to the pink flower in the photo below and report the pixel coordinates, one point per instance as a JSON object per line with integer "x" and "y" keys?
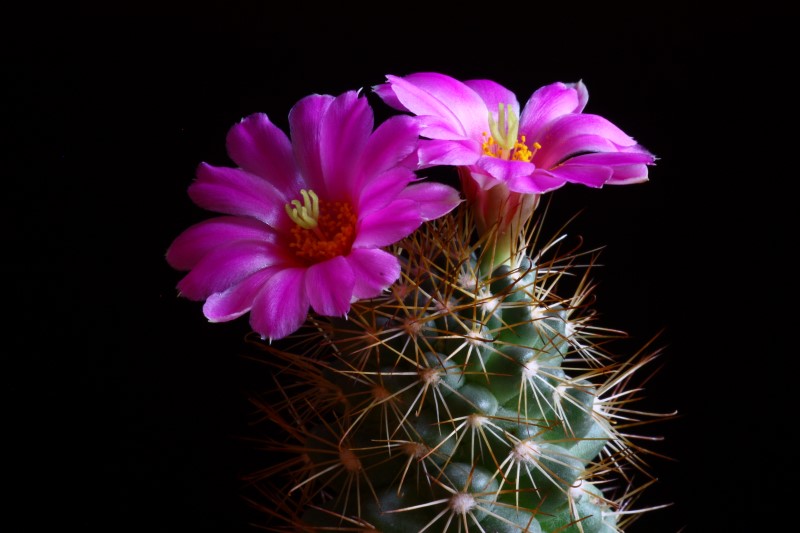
{"x": 507, "y": 158}
{"x": 306, "y": 217}
{"x": 478, "y": 125}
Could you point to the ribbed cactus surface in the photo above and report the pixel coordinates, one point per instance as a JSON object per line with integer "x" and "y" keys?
{"x": 470, "y": 397}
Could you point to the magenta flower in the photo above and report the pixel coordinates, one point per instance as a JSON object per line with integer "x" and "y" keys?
{"x": 478, "y": 125}
{"x": 306, "y": 217}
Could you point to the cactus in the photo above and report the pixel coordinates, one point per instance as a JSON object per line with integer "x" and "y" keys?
{"x": 435, "y": 360}
{"x": 462, "y": 400}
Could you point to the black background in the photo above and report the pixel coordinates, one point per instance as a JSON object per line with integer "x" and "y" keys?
{"x": 126, "y": 411}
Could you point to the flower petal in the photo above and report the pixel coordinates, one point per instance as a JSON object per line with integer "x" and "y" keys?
{"x": 560, "y": 150}
{"x": 457, "y": 153}
{"x": 387, "y": 226}
{"x": 436, "y": 128}
{"x": 385, "y": 92}
{"x": 614, "y": 158}
{"x": 200, "y": 239}
{"x": 304, "y": 119}
{"x": 569, "y": 126}
{"x": 237, "y": 300}
{"x": 583, "y": 95}
{"x": 381, "y": 190}
{"x": 574, "y": 134}
{"x": 540, "y": 181}
{"x": 344, "y": 131}
{"x": 504, "y": 170}
{"x": 590, "y": 175}
{"x": 493, "y": 94}
{"x": 391, "y": 143}
{"x": 627, "y": 167}
{"x": 547, "y": 104}
{"x": 226, "y": 266}
{"x": 374, "y": 270}
{"x": 629, "y": 174}
{"x": 261, "y": 148}
{"x": 282, "y": 306}
{"x": 433, "y": 199}
{"x": 329, "y": 286}
{"x": 236, "y": 192}
{"x": 474, "y": 174}
{"x": 431, "y": 93}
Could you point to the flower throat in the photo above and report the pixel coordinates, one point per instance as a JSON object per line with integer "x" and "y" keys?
{"x": 323, "y": 230}
{"x": 505, "y": 142}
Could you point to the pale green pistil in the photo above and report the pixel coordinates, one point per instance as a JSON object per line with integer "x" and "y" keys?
{"x": 305, "y": 215}
{"x": 505, "y": 128}
{"x": 504, "y": 141}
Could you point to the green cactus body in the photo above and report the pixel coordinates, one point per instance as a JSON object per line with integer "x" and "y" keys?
{"x": 460, "y": 401}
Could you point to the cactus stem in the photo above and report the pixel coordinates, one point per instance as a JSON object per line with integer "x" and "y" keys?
{"x": 471, "y": 401}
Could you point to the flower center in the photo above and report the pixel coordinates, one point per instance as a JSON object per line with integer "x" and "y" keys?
{"x": 323, "y": 230}
{"x": 505, "y": 141}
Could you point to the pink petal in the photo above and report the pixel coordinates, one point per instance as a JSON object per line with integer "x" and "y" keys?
{"x": 385, "y": 92}
{"x": 493, "y": 94}
{"x": 583, "y": 95}
{"x": 304, "y": 119}
{"x": 392, "y": 142}
{"x": 455, "y": 153}
{"x": 433, "y": 199}
{"x": 200, "y": 239}
{"x": 436, "y": 128}
{"x": 236, "y": 192}
{"x": 559, "y": 150}
{"x": 237, "y": 300}
{"x": 541, "y": 181}
{"x": 503, "y": 170}
{"x": 569, "y": 126}
{"x": 614, "y": 158}
{"x": 226, "y": 266}
{"x": 476, "y": 174}
{"x": 261, "y": 148}
{"x": 282, "y": 306}
{"x": 343, "y": 135}
{"x": 627, "y": 167}
{"x": 430, "y": 93}
{"x": 590, "y": 175}
{"x": 382, "y": 189}
{"x": 329, "y": 286}
{"x": 374, "y": 270}
{"x": 629, "y": 174}
{"x": 545, "y": 105}
{"x": 387, "y": 226}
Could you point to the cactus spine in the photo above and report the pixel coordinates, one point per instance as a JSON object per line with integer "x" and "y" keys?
{"x": 471, "y": 397}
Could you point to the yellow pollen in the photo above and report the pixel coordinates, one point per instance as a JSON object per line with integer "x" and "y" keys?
{"x": 323, "y": 230}
{"x": 505, "y": 141}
